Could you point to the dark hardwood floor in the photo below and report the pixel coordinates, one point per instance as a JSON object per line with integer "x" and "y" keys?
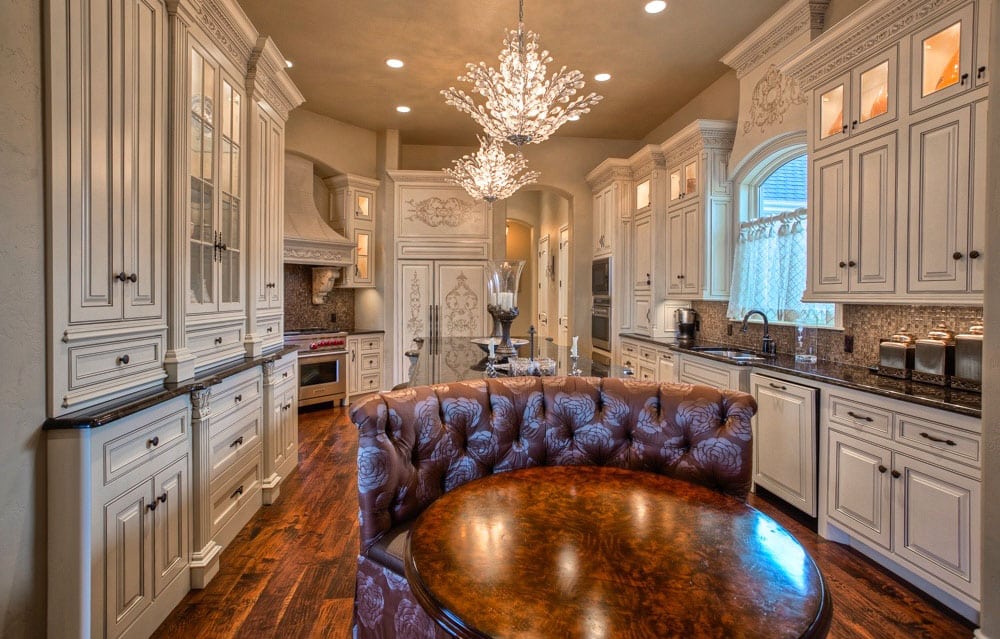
{"x": 290, "y": 571}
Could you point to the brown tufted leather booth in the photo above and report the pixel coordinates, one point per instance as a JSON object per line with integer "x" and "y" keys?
{"x": 416, "y": 444}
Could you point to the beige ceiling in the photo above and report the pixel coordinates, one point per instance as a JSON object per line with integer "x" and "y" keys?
{"x": 658, "y": 62}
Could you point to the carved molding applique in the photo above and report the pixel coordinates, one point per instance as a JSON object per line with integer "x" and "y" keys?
{"x": 463, "y": 308}
{"x": 268, "y": 369}
{"x": 415, "y": 323}
{"x": 319, "y": 256}
{"x": 200, "y": 406}
{"x": 886, "y": 23}
{"x": 435, "y": 211}
{"x": 225, "y": 33}
{"x": 772, "y": 96}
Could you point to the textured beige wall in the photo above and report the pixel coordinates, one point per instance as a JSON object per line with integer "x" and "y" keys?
{"x": 720, "y": 101}
{"x": 344, "y": 148}
{"x": 22, "y": 329}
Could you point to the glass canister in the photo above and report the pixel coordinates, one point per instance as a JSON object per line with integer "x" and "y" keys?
{"x": 805, "y": 345}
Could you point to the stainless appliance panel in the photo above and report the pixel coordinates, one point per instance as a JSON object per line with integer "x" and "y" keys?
{"x": 600, "y": 277}
{"x": 600, "y": 326}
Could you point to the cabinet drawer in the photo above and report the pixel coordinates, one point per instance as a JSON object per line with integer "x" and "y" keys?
{"x": 647, "y": 355}
{"x": 938, "y": 439}
{"x": 647, "y": 373}
{"x": 233, "y": 393}
{"x": 698, "y": 372}
{"x": 154, "y": 436}
{"x": 269, "y": 328}
{"x": 371, "y": 382}
{"x": 108, "y": 361}
{"x": 859, "y": 416}
{"x": 370, "y": 362}
{"x": 237, "y": 436}
{"x": 206, "y": 341}
{"x": 284, "y": 368}
{"x": 370, "y": 344}
{"x": 630, "y": 348}
{"x": 229, "y": 495}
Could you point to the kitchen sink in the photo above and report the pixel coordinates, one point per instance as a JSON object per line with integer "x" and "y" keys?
{"x": 743, "y": 356}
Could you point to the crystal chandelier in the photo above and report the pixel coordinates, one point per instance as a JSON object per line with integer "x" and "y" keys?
{"x": 490, "y": 174}
{"x": 522, "y": 105}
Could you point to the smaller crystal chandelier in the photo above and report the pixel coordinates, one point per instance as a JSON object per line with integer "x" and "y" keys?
{"x": 522, "y": 105}
{"x": 490, "y": 174}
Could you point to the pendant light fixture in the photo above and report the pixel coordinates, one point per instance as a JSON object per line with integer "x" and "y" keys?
{"x": 490, "y": 174}
{"x": 521, "y": 103}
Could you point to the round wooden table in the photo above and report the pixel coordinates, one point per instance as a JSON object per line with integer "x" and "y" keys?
{"x": 585, "y": 551}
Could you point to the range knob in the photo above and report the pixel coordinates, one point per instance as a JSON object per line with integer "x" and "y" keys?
{"x": 313, "y": 346}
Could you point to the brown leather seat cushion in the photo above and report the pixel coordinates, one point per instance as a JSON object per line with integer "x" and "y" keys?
{"x": 388, "y": 549}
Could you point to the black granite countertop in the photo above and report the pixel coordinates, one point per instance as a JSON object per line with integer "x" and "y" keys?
{"x": 108, "y": 412}
{"x": 846, "y": 375}
{"x": 361, "y": 331}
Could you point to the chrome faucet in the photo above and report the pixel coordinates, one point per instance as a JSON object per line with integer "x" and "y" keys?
{"x": 768, "y": 346}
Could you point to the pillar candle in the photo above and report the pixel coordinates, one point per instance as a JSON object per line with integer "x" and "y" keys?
{"x": 493, "y": 348}
{"x": 573, "y": 352}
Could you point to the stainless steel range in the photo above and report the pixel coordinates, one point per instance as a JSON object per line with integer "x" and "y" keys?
{"x": 322, "y": 364}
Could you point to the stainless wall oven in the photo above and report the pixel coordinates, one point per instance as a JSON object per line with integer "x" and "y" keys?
{"x": 600, "y": 277}
{"x": 322, "y": 365}
{"x": 600, "y": 323}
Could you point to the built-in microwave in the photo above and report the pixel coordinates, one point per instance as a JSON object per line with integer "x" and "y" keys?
{"x": 600, "y": 277}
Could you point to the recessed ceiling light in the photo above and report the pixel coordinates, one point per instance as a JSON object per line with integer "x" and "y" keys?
{"x": 655, "y": 6}
{"x": 394, "y": 63}
{"x": 288, "y": 64}
{"x": 403, "y": 109}
{"x": 602, "y": 77}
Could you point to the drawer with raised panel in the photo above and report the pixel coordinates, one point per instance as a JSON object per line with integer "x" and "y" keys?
{"x": 107, "y": 361}
{"x": 229, "y": 495}
{"x": 370, "y": 382}
{"x": 237, "y": 435}
{"x": 371, "y": 344}
{"x": 235, "y": 392}
{"x": 284, "y": 368}
{"x": 370, "y": 362}
{"x": 156, "y": 433}
{"x": 206, "y": 341}
{"x": 939, "y": 439}
{"x": 859, "y": 416}
{"x": 268, "y": 328}
{"x": 630, "y": 348}
{"x": 647, "y": 354}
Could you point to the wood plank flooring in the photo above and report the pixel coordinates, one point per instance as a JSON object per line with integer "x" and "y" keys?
{"x": 290, "y": 571}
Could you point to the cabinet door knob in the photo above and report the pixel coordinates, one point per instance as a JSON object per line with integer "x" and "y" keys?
{"x": 237, "y": 442}
{"x": 152, "y": 506}
{"x": 237, "y": 493}
{"x": 844, "y": 130}
{"x": 937, "y": 440}
{"x": 133, "y": 278}
{"x": 163, "y": 498}
{"x": 852, "y": 263}
{"x": 974, "y": 255}
{"x": 124, "y": 359}
{"x": 957, "y": 255}
{"x": 854, "y": 124}
{"x": 965, "y": 78}
{"x": 896, "y": 474}
{"x": 882, "y": 469}
{"x": 270, "y": 329}
{"x": 287, "y": 406}
{"x": 980, "y": 72}
{"x": 238, "y": 398}
{"x": 842, "y": 264}
{"x": 121, "y": 277}
{"x": 218, "y": 340}
{"x": 284, "y": 375}
{"x": 155, "y": 441}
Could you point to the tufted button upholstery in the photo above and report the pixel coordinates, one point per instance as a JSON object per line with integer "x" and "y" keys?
{"x": 418, "y": 443}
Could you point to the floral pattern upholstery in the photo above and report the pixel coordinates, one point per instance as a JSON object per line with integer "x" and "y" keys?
{"x": 418, "y": 443}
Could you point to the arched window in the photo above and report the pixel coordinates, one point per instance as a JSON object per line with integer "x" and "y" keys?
{"x": 769, "y": 267}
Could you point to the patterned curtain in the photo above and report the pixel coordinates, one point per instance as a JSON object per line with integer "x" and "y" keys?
{"x": 769, "y": 271}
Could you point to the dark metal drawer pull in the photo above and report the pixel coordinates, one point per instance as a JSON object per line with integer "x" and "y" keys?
{"x": 238, "y": 398}
{"x": 151, "y": 507}
{"x": 237, "y": 493}
{"x": 155, "y": 441}
{"x": 882, "y": 469}
{"x": 124, "y": 359}
{"x": 163, "y": 498}
{"x": 237, "y": 442}
{"x": 856, "y": 416}
{"x": 896, "y": 474}
{"x": 218, "y": 340}
{"x": 937, "y": 439}
{"x": 778, "y": 386}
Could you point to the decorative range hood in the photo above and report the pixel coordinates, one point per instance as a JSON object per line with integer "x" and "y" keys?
{"x": 308, "y": 238}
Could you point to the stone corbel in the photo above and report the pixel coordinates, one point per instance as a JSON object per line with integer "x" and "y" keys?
{"x": 324, "y": 280}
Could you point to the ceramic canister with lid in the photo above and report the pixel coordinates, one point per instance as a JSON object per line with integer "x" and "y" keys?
{"x": 934, "y": 360}
{"x": 969, "y": 359}
{"x": 896, "y": 354}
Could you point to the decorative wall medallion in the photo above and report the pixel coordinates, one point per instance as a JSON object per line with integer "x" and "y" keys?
{"x": 435, "y": 211}
{"x": 772, "y": 96}
{"x": 462, "y": 308}
{"x": 415, "y": 323}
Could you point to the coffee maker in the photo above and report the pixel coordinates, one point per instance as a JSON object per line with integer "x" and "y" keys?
{"x": 687, "y": 323}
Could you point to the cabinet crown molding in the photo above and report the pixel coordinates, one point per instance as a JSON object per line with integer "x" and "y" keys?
{"x": 268, "y": 80}
{"x": 872, "y": 28}
{"x": 609, "y": 171}
{"x": 792, "y": 20}
{"x": 348, "y": 180}
{"x": 225, "y": 21}
{"x": 646, "y": 160}
{"x": 700, "y": 134}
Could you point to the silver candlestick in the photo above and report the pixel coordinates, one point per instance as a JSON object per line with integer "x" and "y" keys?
{"x": 574, "y": 369}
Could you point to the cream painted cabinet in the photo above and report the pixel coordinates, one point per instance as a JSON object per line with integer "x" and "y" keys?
{"x": 642, "y": 263}
{"x": 942, "y": 62}
{"x": 943, "y": 252}
{"x": 352, "y": 213}
{"x": 604, "y": 219}
{"x": 106, "y": 237}
{"x": 364, "y": 364}
{"x": 281, "y": 428}
{"x": 692, "y": 369}
{"x": 853, "y": 103}
{"x": 785, "y": 442}
{"x": 854, "y": 212}
{"x": 682, "y": 182}
{"x": 666, "y": 367}
{"x": 125, "y": 486}
{"x": 859, "y": 487}
{"x": 684, "y": 254}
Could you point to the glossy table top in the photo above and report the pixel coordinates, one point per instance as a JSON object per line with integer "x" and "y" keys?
{"x": 586, "y": 551}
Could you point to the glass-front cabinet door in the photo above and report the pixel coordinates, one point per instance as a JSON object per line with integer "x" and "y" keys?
{"x": 362, "y": 257}
{"x": 875, "y": 89}
{"x": 215, "y": 215}
{"x": 363, "y": 203}
{"x": 831, "y": 102}
{"x": 941, "y": 57}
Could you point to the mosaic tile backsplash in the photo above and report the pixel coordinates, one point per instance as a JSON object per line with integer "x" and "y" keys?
{"x": 866, "y": 323}
{"x": 300, "y": 312}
